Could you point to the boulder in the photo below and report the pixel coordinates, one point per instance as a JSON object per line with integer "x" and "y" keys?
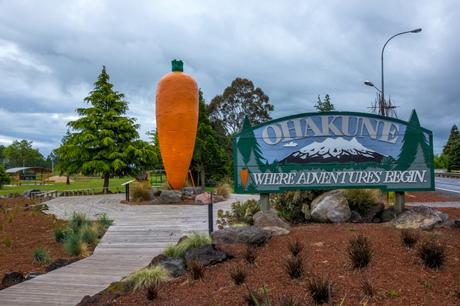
{"x": 170, "y": 197}
{"x": 277, "y": 231}
{"x": 245, "y": 235}
{"x": 388, "y": 214}
{"x": 422, "y": 217}
{"x": 217, "y": 198}
{"x": 331, "y": 206}
{"x": 175, "y": 265}
{"x": 203, "y": 198}
{"x": 205, "y": 255}
{"x": 12, "y": 278}
{"x": 355, "y": 217}
{"x": 188, "y": 192}
{"x": 269, "y": 218}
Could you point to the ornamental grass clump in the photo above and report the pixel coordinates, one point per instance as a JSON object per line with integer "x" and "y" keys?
{"x": 149, "y": 278}
{"x": 241, "y": 213}
{"x": 295, "y": 247}
{"x": 320, "y": 289}
{"x": 224, "y": 190}
{"x": 73, "y": 245}
{"x": 367, "y": 288}
{"x": 238, "y": 276}
{"x": 361, "y": 200}
{"x": 289, "y": 301}
{"x": 360, "y": 251}
{"x": 89, "y": 235}
{"x": 40, "y": 256}
{"x": 409, "y": 237}
{"x": 195, "y": 240}
{"x": 293, "y": 265}
{"x": 432, "y": 253}
{"x": 61, "y": 233}
{"x": 78, "y": 221}
{"x": 196, "y": 270}
{"x": 250, "y": 254}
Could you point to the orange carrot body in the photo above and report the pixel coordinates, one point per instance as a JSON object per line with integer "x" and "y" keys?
{"x": 177, "y": 122}
{"x": 244, "y": 175}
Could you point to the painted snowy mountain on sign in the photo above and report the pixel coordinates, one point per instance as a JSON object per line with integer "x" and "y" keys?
{"x": 334, "y": 150}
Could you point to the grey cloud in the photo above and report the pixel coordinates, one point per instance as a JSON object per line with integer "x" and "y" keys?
{"x": 51, "y": 53}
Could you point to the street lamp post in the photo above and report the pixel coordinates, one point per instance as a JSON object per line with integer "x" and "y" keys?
{"x": 382, "y": 104}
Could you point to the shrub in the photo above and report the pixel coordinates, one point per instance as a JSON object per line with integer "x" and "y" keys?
{"x": 195, "y": 240}
{"x": 319, "y": 289}
{"x": 361, "y": 199}
{"x": 89, "y": 235}
{"x": 293, "y": 265}
{"x": 240, "y": 213}
{"x": 250, "y": 254}
{"x": 148, "y": 278}
{"x": 140, "y": 191}
{"x": 432, "y": 253}
{"x": 289, "y": 204}
{"x": 61, "y": 233}
{"x": 368, "y": 288}
{"x": 359, "y": 251}
{"x": 295, "y": 247}
{"x": 78, "y": 221}
{"x": 224, "y": 190}
{"x": 238, "y": 276}
{"x": 73, "y": 245}
{"x": 40, "y": 256}
{"x": 196, "y": 270}
{"x": 409, "y": 237}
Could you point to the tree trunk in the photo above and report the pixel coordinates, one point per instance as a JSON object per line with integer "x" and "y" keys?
{"x": 67, "y": 180}
{"x": 202, "y": 178}
{"x": 105, "y": 188}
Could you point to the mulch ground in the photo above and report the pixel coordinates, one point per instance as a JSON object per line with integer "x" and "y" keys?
{"x": 26, "y": 231}
{"x": 432, "y": 196}
{"x": 394, "y": 268}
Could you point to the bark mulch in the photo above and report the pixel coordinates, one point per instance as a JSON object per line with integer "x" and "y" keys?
{"x": 21, "y": 232}
{"x": 395, "y": 272}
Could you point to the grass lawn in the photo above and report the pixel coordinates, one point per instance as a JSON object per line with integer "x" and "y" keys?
{"x": 79, "y": 183}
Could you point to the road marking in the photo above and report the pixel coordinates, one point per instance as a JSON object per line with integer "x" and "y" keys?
{"x": 445, "y": 189}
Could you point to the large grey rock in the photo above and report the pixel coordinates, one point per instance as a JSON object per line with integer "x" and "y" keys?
{"x": 175, "y": 265}
{"x": 269, "y": 218}
{"x": 355, "y": 217}
{"x": 245, "y": 235}
{"x": 422, "y": 217}
{"x": 170, "y": 197}
{"x": 331, "y": 206}
{"x": 205, "y": 255}
{"x": 12, "y": 278}
{"x": 388, "y": 214}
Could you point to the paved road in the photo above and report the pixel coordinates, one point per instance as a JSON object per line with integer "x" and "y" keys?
{"x": 448, "y": 184}
{"x": 138, "y": 234}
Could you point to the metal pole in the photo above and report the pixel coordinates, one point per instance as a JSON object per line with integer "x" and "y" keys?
{"x": 210, "y": 216}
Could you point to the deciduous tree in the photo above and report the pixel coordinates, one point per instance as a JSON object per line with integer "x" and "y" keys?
{"x": 22, "y": 154}
{"x": 241, "y": 99}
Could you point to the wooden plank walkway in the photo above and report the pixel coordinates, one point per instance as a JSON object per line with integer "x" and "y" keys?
{"x": 138, "y": 234}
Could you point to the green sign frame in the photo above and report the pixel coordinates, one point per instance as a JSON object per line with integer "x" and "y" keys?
{"x": 333, "y": 150}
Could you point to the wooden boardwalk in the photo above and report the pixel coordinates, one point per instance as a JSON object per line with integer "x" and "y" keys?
{"x": 138, "y": 234}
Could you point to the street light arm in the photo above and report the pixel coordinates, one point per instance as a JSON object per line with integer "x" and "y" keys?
{"x": 405, "y": 32}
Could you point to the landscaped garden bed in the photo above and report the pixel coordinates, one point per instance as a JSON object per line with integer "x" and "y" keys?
{"x": 32, "y": 242}
{"x": 274, "y": 263}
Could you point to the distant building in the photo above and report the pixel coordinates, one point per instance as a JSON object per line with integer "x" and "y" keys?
{"x": 36, "y": 174}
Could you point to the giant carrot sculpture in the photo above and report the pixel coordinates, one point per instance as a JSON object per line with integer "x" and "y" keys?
{"x": 177, "y": 121}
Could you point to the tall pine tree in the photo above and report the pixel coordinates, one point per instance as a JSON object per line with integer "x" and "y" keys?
{"x": 453, "y": 161}
{"x": 453, "y": 137}
{"x": 103, "y": 141}
{"x": 413, "y": 139}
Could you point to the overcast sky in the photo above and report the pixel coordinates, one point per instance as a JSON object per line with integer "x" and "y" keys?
{"x": 52, "y": 51}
